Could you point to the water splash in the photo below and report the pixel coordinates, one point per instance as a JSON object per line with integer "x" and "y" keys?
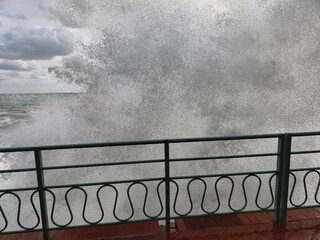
{"x": 185, "y": 68}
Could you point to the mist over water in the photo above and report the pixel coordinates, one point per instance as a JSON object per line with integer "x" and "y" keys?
{"x": 172, "y": 69}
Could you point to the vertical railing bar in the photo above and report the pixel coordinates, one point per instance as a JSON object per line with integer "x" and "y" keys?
{"x": 279, "y": 178}
{"x": 167, "y": 183}
{"x": 285, "y": 177}
{"x": 42, "y": 197}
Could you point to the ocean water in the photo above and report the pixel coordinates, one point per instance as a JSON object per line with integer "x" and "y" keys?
{"x": 13, "y": 112}
{"x": 16, "y": 109}
{"x": 20, "y": 110}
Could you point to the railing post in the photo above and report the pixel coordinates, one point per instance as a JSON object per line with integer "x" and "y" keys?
{"x": 279, "y": 178}
{"x": 42, "y": 196}
{"x": 167, "y": 183}
{"x": 282, "y": 183}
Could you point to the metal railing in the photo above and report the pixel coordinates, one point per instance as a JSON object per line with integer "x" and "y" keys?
{"x": 166, "y": 188}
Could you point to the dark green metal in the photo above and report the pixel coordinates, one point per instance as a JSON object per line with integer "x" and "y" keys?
{"x": 304, "y": 134}
{"x": 103, "y": 164}
{"x": 18, "y": 189}
{"x": 303, "y": 169}
{"x": 148, "y": 142}
{"x": 18, "y": 170}
{"x": 132, "y": 143}
{"x": 102, "y": 183}
{"x": 284, "y": 173}
{"x": 223, "y": 175}
{"x": 224, "y": 157}
{"x": 167, "y": 184}
{"x": 42, "y": 196}
{"x": 305, "y": 152}
{"x": 277, "y": 207}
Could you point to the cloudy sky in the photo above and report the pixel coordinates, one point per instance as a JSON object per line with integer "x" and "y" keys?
{"x": 31, "y": 40}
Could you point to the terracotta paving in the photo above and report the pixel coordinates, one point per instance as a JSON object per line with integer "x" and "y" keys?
{"x": 91, "y": 232}
{"x": 302, "y": 224}
{"x": 267, "y": 234}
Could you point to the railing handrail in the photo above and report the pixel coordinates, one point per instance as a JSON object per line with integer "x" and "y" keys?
{"x": 280, "y": 175}
{"x": 140, "y": 142}
{"x": 157, "y": 141}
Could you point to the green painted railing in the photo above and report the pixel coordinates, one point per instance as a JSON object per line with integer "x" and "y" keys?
{"x": 167, "y": 187}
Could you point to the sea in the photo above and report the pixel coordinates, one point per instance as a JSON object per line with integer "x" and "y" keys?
{"x": 17, "y": 110}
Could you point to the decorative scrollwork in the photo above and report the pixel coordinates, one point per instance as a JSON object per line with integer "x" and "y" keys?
{"x": 5, "y": 220}
{"x": 146, "y": 197}
{"x": 271, "y": 193}
{"x": 100, "y": 203}
{"x": 53, "y": 210}
{"x": 217, "y": 195}
{"x": 305, "y": 189}
{"x": 19, "y": 211}
{"x": 147, "y": 193}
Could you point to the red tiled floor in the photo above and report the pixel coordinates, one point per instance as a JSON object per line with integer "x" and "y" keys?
{"x": 244, "y": 219}
{"x": 303, "y": 224}
{"x": 9, "y": 237}
{"x": 255, "y": 226}
{"x": 301, "y": 234}
{"x": 90, "y": 232}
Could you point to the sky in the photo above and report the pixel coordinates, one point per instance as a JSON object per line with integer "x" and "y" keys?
{"x": 31, "y": 41}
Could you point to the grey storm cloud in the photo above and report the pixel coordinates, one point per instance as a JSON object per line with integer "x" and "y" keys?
{"x": 15, "y": 16}
{"x": 35, "y": 44}
{"x": 16, "y": 65}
